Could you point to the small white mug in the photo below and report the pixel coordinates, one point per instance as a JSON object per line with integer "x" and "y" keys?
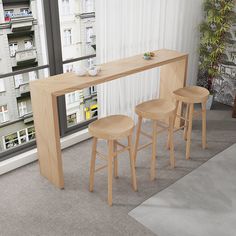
{"x": 93, "y": 71}
{"x": 81, "y": 71}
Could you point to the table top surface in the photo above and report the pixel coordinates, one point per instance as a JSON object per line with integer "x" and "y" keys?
{"x": 68, "y": 82}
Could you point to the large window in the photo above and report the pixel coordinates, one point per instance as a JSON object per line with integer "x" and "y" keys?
{"x": 67, "y": 37}
{"x": 88, "y": 6}
{"x": 20, "y": 137}
{"x": 41, "y": 38}
{"x": 2, "y": 86}
{"x": 66, "y": 6}
{"x": 4, "y": 116}
{"x": 13, "y": 47}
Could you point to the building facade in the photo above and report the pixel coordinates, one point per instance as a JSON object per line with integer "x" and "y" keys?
{"x": 23, "y": 45}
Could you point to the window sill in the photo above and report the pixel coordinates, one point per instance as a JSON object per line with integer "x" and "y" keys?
{"x": 30, "y": 156}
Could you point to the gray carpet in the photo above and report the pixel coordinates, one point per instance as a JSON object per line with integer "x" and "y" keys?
{"x": 201, "y": 203}
{"x": 29, "y": 205}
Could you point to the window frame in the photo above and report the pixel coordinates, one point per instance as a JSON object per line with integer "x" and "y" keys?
{"x": 55, "y": 66}
{"x": 4, "y": 114}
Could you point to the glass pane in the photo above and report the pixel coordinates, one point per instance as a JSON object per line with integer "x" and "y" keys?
{"x": 77, "y": 23}
{"x": 81, "y": 105}
{"x": 16, "y": 118}
{"x": 23, "y": 46}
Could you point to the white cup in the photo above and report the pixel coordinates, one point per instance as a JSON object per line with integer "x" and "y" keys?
{"x": 81, "y": 71}
{"x": 93, "y": 71}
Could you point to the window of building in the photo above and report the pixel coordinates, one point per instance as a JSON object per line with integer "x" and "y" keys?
{"x": 68, "y": 68}
{"x": 65, "y": 7}
{"x": 19, "y": 137}
{"x": 4, "y": 115}
{"x": 2, "y": 86}
{"x": 89, "y": 34}
{"x": 73, "y": 97}
{"x": 25, "y": 11}
{"x": 8, "y": 14}
{"x": 18, "y": 80}
{"x": 28, "y": 44}
{"x": 93, "y": 89}
{"x": 71, "y": 119}
{"x": 88, "y": 6}
{"x": 13, "y": 48}
{"x": 22, "y": 108}
{"x": 67, "y": 37}
{"x": 32, "y": 75}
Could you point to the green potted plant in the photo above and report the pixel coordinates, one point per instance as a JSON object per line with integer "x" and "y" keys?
{"x": 219, "y": 16}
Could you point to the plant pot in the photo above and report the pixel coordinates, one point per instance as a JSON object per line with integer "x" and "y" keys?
{"x": 209, "y": 102}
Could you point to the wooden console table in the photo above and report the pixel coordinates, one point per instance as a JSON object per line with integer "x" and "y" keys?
{"x": 44, "y": 95}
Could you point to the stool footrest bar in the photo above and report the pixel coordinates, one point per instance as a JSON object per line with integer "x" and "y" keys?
{"x": 146, "y": 135}
{"x": 123, "y": 150}
{"x": 144, "y": 146}
{"x": 120, "y": 144}
{"x": 100, "y": 168}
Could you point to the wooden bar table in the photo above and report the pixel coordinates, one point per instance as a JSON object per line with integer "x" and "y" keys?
{"x": 44, "y": 93}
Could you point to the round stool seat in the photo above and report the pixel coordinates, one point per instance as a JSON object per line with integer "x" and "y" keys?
{"x": 112, "y": 127}
{"x": 155, "y": 109}
{"x": 192, "y": 94}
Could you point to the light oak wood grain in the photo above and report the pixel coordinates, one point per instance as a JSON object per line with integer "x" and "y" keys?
{"x": 44, "y": 95}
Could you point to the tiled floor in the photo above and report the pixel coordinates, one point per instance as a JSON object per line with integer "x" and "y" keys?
{"x": 201, "y": 203}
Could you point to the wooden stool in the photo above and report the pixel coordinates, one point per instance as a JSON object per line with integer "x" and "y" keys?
{"x": 112, "y": 128}
{"x": 156, "y": 110}
{"x": 190, "y": 96}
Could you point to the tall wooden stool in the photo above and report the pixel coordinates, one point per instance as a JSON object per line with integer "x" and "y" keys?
{"x": 158, "y": 110}
{"x": 190, "y": 96}
{"x": 112, "y": 128}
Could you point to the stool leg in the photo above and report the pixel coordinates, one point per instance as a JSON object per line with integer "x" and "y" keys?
{"x": 186, "y": 122}
{"x": 154, "y": 143}
{"x": 204, "y": 125}
{"x": 171, "y": 130}
{"x": 174, "y": 119}
{"x": 190, "y": 122}
{"x": 92, "y": 165}
{"x": 137, "y": 138}
{"x": 115, "y": 160}
{"x": 110, "y": 158}
{"x": 132, "y": 164}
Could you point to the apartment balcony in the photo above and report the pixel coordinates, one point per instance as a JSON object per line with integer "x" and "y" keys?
{"x": 26, "y": 56}
{"x": 23, "y": 90}
{"x": 28, "y": 118}
{"x": 85, "y": 15}
{"x": 21, "y": 22}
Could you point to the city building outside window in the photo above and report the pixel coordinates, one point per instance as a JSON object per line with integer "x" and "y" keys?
{"x": 28, "y": 44}
{"x": 18, "y": 80}
{"x": 65, "y": 7}
{"x": 22, "y": 107}
{"x": 88, "y": 6}
{"x": 68, "y": 68}
{"x": 8, "y": 14}
{"x": 71, "y": 119}
{"x": 13, "y": 48}
{"x": 32, "y": 75}
{"x": 89, "y": 34}
{"x": 19, "y": 37}
{"x": 73, "y": 97}
{"x": 4, "y": 116}
{"x": 2, "y": 86}
{"x": 19, "y": 137}
{"x": 67, "y": 37}
{"x": 25, "y": 11}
